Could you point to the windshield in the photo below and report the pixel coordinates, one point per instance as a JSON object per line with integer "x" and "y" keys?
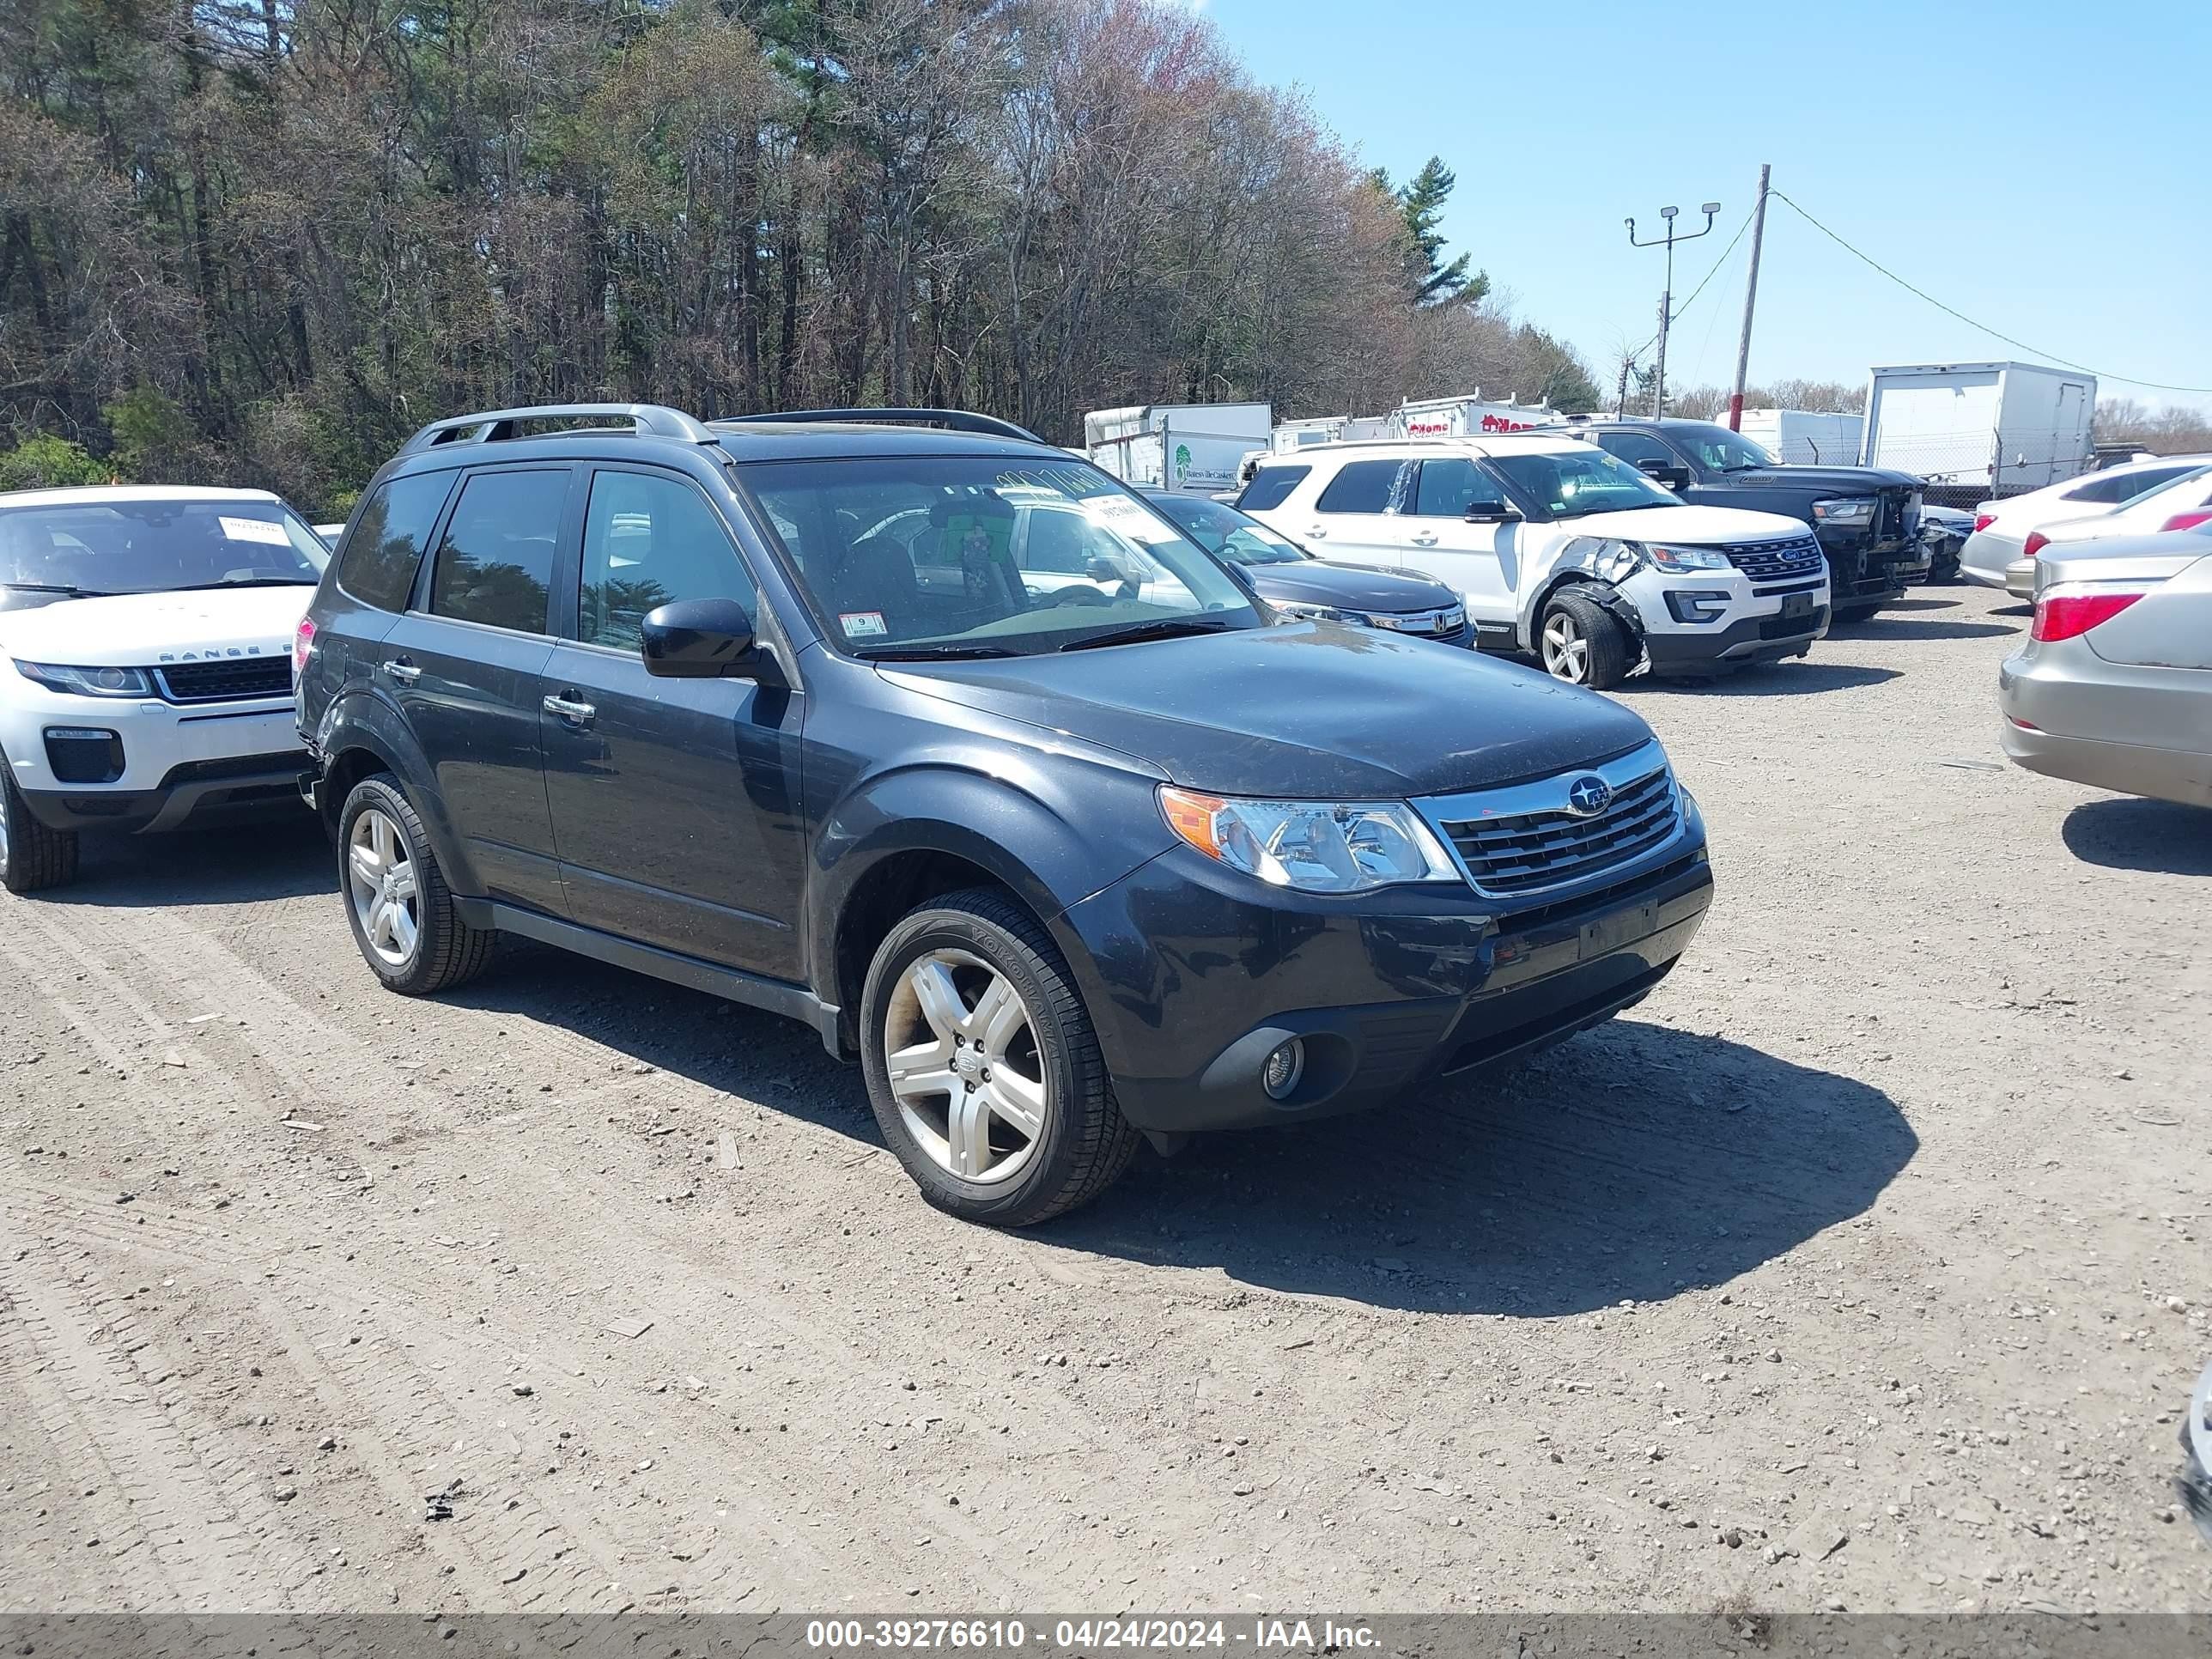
{"x": 1719, "y": 450}
{"x": 1577, "y": 482}
{"x": 961, "y": 556}
{"x": 85, "y": 549}
{"x": 1228, "y": 534}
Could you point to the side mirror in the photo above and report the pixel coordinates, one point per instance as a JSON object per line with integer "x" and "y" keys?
{"x": 1491, "y": 512}
{"x": 1665, "y": 473}
{"x": 700, "y": 640}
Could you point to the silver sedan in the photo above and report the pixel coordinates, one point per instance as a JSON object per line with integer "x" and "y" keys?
{"x": 2114, "y": 687}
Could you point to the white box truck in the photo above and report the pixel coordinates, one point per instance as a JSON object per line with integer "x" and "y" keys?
{"x": 1983, "y": 430}
{"x": 1467, "y": 417}
{"x": 1193, "y": 447}
{"x": 1807, "y": 437}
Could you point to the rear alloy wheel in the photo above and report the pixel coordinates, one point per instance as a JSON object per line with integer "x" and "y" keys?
{"x": 983, "y": 1067}
{"x": 1581, "y": 643}
{"x": 33, "y": 856}
{"x": 404, "y": 917}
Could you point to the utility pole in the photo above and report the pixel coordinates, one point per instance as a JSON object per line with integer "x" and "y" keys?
{"x": 1666, "y": 294}
{"x": 1750, "y": 299}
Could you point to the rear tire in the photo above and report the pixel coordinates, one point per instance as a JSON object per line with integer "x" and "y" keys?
{"x": 1580, "y": 641}
{"x": 401, "y": 913}
{"x": 969, "y": 982}
{"x": 34, "y": 857}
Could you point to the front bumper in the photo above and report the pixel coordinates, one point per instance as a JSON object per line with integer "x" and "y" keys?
{"x": 1195, "y": 975}
{"x": 195, "y": 794}
{"x": 1746, "y": 622}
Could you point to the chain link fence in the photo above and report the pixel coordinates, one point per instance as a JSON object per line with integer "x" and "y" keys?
{"x": 1966, "y": 468}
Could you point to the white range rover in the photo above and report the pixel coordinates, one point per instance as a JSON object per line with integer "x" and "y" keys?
{"x": 146, "y": 639}
{"x": 1560, "y": 550}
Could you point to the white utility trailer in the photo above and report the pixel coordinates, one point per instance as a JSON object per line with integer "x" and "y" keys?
{"x": 1196, "y": 448}
{"x": 1998, "y": 428}
{"x": 1467, "y": 417}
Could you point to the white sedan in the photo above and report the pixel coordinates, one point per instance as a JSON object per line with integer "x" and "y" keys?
{"x": 1996, "y": 554}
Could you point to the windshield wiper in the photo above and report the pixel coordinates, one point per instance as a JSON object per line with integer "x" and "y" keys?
{"x": 935, "y": 653}
{"x": 62, "y": 588}
{"x": 1167, "y": 628}
{"x": 250, "y": 581}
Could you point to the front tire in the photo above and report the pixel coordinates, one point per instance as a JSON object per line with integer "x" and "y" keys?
{"x": 401, "y": 913}
{"x": 1580, "y": 641}
{"x": 982, "y": 1066}
{"x": 34, "y": 857}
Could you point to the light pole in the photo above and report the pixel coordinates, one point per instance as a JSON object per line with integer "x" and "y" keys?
{"x": 1666, "y": 294}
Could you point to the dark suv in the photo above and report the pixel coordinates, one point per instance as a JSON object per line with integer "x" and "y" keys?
{"x": 1867, "y": 517}
{"x": 771, "y": 709}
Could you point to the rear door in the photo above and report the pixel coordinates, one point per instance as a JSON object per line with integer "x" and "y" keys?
{"x": 464, "y": 666}
{"x": 1355, "y": 517}
{"x": 675, "y": 802}
{"x": 1481, "y": 560}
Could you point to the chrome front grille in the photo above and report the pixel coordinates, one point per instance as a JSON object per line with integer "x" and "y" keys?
{"x": 1426, "y": 624}
{"x": 1531, "y": 838}
{"x": 1778, "y": 561}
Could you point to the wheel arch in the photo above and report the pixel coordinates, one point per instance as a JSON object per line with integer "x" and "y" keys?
{"x": 1617, "y": 604}
{"x": 361, "y": 736}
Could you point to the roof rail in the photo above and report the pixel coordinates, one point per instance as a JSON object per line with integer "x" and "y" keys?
{"x": 496, "y": 425}
{"x": 953, "y": 420}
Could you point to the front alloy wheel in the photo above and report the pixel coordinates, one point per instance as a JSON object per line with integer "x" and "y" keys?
{"x": 380, "y": 877}
{"x": 961, "y": 1053}
{"x": 1566, "y": 648}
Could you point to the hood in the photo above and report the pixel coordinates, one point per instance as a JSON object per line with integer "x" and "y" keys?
{"x": 1705, "y": 526}
{"x": 1838, "y": 480}
{"x": 1308, "y": 710}
{"x": 1311, "y": 582}
{"x": 140, "y": 631}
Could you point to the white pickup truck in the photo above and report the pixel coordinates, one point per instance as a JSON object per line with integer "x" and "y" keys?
{"x": 1559, "y": 550}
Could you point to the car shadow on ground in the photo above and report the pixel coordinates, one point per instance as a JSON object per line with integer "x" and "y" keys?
{"x": 1920, "y": 605}
{"x": 2023, "y": 609}
{"x": 1885, "y": 627}
{"x": 1790, "y": 679}
{"x": 283, "y": 856}
{"x": 2162, "y": 836}
{"x": 1634, "y": 1162}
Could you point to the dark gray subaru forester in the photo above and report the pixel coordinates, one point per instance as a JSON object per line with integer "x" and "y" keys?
{"x": 906, "y": 725}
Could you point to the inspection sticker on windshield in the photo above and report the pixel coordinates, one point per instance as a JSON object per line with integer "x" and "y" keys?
{"x": 254, "y": 530}
{"x": 862, "y": 625}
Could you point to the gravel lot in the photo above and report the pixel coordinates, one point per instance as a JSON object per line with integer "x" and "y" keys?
{"x": 1867, "y": 1265}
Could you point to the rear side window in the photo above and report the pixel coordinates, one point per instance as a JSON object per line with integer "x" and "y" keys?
{"x": 496, "y": 559}
{"x": 382, "y": 556}
{"x": 1362, "y": 487}
{"x": 1271, "y": 486}
{"x": 2127, "y": 486}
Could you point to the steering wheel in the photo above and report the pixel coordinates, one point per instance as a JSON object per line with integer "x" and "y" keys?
{"x": 1078, "y": 595}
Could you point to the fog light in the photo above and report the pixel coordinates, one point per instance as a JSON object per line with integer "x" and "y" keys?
{"x": 1283, "y": 1069}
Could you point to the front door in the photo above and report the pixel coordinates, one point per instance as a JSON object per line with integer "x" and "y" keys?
{"x": 464, "y": 665}
{"x": 1481, "y": 560}
{"x": 675, "y": 802}
{"x": 1355, "y": 519}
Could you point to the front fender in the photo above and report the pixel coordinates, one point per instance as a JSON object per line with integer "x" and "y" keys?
{"x": 1051, "y": 840}
{"x": 361, "y": 721}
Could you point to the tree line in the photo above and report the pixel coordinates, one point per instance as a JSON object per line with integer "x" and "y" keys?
{"x": 261, "y": 241}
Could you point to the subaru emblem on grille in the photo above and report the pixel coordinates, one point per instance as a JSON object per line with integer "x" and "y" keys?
{"x": 1587, "y": 797}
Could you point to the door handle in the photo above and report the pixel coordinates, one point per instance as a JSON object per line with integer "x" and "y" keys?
{"x": 576, "y": 713}
{"x": 402, "y": 671}
{"x": 1427, "y": 538}
{"x": 1317, "y": 530}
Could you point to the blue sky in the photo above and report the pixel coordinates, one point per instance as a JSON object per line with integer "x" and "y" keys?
{"x": 2043, "y": 168}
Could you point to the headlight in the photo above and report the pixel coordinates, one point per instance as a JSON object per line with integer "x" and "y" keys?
{"x": 1317, "y": 847}
{"x": 1297, "y": 612}
{"x": 89, "y": 682}
{"x": 1852, "y": 509}
{"x": 1687, "y": 558}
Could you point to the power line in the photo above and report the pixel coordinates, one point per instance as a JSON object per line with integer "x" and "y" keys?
{"x": 1997, "y": 334}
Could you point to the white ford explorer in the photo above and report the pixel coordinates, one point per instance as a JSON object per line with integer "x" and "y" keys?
{"x": 1560, "y": 550}
{"x": 146, "y": 641}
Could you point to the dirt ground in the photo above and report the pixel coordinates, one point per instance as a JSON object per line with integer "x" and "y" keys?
{"x": 1867, "y": 1265}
